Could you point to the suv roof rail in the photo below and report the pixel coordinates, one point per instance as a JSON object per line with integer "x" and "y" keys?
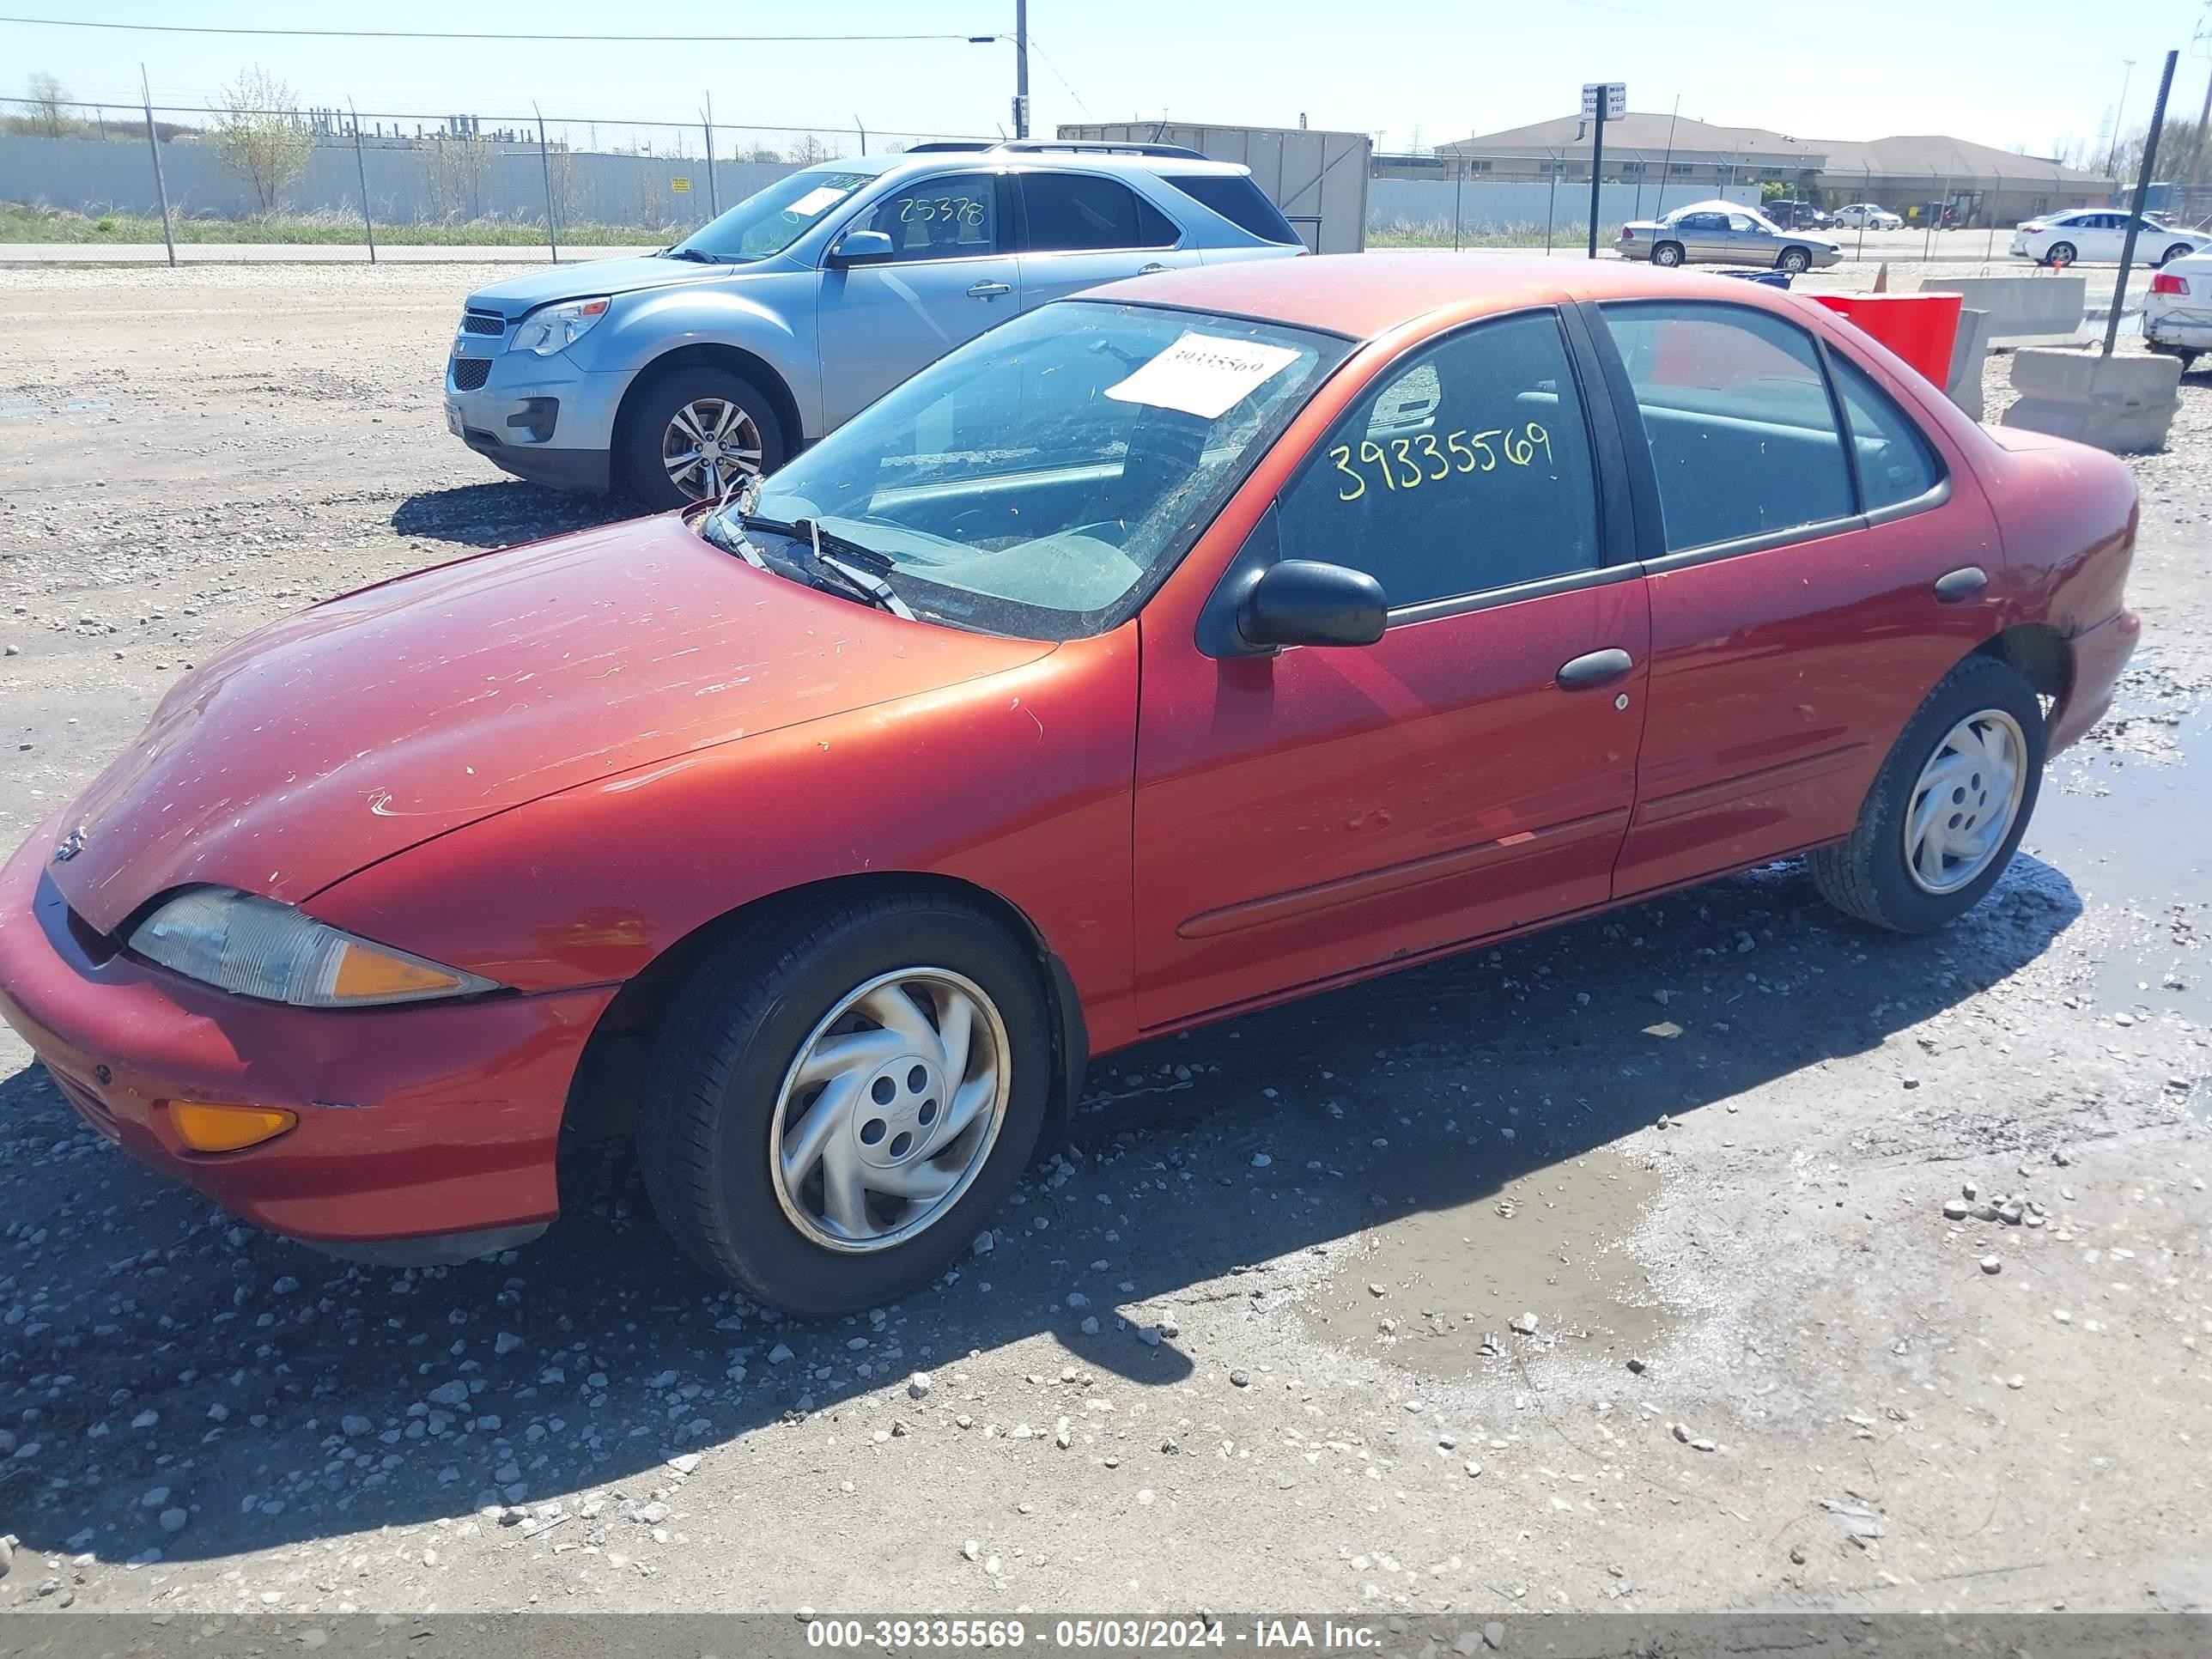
{"x": 936, "y": 144}
{"x": 1105, "y": 146}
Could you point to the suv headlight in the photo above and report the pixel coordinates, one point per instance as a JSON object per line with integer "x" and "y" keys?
{"x": 256, "y": 947}
{"x": 555, "y": 328}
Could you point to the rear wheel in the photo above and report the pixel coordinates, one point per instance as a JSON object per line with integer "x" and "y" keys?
{"x": 2061, "y": 253}
{"x": 2178, "y": 251}
{"x": 1948, "y": 807}
{"x": 1796, "y": 260}
{"x": 837, "y": 1103}
{"x": 1667, "y": 254}
{"x": 695, "y": 433}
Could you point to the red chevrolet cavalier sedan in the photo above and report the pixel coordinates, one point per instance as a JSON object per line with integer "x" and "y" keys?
{"x": 1204, "y": 641}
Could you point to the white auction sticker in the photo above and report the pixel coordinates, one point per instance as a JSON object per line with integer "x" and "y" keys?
{"x": 1204, "y": 374}
{"x": 825, "y": 196}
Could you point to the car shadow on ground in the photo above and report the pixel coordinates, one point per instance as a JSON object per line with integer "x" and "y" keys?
{"x": 502, "y": 513}
{"x": 297, "y": 1398}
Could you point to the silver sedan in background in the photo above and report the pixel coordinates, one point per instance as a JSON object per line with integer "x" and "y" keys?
{"x": 1724, "y": 234}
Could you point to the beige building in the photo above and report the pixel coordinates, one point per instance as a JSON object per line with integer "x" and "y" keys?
{"x": 1680, "y": 159}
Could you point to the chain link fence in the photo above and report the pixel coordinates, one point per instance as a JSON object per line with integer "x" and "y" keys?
{"x": 85, "y": 173}
{"x": 1541, "y": 199}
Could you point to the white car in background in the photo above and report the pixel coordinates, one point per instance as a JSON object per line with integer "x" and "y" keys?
{"x": 2177, "y": 311}
{"x": 2096, "y": 235}
{"x": 1867, "y": 216}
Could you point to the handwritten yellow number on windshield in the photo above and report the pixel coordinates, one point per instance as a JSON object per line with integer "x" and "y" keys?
{"x": 1428, "y": 442}
{"x": 1371, "y": 451}
{"x": 1342, "y": 455}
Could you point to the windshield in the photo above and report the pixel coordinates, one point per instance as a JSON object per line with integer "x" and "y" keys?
{"x": 770, "y": 220}
{"x": 1041, "y": 480}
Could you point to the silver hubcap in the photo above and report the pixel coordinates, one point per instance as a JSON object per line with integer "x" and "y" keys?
{"x": 1963, "y": 805}
{"x": 710, "y": 446}
{"x": 891, "y": 1110}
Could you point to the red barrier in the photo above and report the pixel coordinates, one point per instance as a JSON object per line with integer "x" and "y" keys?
{"x": 1918, "y": 327}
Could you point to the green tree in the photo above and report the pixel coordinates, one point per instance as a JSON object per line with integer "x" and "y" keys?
{"x": 258, "y": 135}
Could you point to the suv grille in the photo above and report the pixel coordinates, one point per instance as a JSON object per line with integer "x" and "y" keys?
{"x": 482, "y": 322}
{"x": 470, "y": 372}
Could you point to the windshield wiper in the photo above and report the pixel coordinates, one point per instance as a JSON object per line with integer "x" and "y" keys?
{"x": 693, "y": 254}
{"x": 859, "y": 569}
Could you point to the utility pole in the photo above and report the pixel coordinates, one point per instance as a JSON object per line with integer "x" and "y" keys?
{"x": 1021, "y": 69}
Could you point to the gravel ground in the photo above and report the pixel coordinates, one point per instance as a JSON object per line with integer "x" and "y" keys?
{"x": 1716, "y": 1254}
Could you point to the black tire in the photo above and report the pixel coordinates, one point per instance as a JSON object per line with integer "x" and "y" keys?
{"x": 734, "y": 1032}
{"x": 653, "y": 405}
{"x": 1795, "y": 260}
{"x": 2178, "y": 251}
{"x": 1667, "y": 254}
{"x": 2061, "y": 253}
{"x": 1866, "y": 874}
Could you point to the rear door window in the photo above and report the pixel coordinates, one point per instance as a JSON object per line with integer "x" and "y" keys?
{"x": 1082, "y": 211}
{"x": 1736, "y": 412}
{"x": 1237, "y": 198}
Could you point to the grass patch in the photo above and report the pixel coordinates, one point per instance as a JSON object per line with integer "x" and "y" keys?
{"x": 22, "y": 223}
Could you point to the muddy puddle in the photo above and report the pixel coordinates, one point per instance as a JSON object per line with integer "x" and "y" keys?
{"x": 1454, "y": 1271}
{"x": 2131, "y": 828}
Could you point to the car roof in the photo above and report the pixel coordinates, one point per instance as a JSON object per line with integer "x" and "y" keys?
{"x": 1362, "y": 295}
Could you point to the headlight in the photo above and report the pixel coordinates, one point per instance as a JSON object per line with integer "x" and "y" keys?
{"x": 555, "y": 328}
{"x": 256, "y": 947}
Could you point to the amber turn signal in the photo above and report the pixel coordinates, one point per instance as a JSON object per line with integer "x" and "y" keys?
{"x": 206, "y": 1128}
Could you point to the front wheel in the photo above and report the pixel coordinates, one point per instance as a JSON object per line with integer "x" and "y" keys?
{"x": 1667, "y": 254}
{"x": 1949, "y": 806}
{"x": 837, "y": 1103}
{"x": 694, "y": 434}
{"x": 1795, "y": 260}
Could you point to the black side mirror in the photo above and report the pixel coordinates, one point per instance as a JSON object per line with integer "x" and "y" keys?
{"x": 1305, "y": 602}
{"x": 862, "y": 247}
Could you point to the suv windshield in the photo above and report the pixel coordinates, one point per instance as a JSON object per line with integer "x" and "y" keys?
{"x": 1043, "y": 479}
{"x": 770, "y": 220}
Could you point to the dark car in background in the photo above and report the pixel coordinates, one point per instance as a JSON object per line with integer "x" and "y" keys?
{"x": 1796, "y": 216}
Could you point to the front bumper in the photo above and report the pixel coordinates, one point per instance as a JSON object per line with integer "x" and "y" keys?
{"x": 541, "y": 418}
{"x": 426, "y": 1132}
{"x": 2096, "y": 657}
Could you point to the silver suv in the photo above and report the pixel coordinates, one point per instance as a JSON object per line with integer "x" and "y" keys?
{"x": 674, "y": 374}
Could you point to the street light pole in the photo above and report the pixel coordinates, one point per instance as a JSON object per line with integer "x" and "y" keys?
{"x": 2113, "y": 154}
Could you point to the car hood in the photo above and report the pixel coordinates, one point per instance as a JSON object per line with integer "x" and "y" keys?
{"x": 512, "y": 296}
{"x": 395, "y": 714}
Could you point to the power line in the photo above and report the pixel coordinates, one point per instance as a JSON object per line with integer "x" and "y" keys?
{"x": 693, "y": 39}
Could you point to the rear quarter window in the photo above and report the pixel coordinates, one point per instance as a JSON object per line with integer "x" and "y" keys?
{"x": 1240, "y": 201}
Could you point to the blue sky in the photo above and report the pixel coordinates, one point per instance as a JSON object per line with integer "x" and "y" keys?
{"x": 2022, "y": 73}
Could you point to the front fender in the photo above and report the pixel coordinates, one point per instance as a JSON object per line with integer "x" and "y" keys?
{"x": 769, "y": 314}
{"x": 1017, "y": 783}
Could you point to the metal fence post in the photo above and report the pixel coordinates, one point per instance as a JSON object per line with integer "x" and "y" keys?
{"x": 1459, "y": 174}
{"x": 360, "y": 172}
{"x": 1552, "y": 207}
{"x": 714, "y": 196}
{"x": 161, "y": 184}
{"x": 859, "y": 128}
{"x": 545, "y": 166}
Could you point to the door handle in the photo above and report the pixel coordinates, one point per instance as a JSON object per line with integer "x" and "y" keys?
{"x": 1961, "y": 584}
{"x": 1597, "y": 668}
{"x": 989, "y": 290}
{"x": 1146, "y": 271}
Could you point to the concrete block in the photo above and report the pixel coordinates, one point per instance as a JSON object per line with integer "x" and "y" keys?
{"x": 1970, "y": 349}
{"x": 2023, "y": 310}
{"x": 2123, "y": 405}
